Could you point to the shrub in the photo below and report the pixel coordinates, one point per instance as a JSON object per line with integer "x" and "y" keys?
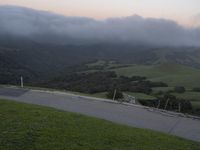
{"x": 179, "y": 89}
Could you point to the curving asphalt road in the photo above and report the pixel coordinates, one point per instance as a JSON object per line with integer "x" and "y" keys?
{"x": 124, "y": 114}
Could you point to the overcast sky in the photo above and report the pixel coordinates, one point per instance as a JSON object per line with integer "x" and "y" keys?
{"x": 50, "y": 27}
{"x": 185, "y": 12}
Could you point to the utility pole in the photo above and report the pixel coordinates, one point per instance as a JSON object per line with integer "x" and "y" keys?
{"x": 22, "y": 82}
{"x": 114, "y": 94}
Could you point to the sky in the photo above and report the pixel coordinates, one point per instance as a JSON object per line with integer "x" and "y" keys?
{"x": 48, "y": 27}
{"x": 185, "y": 12}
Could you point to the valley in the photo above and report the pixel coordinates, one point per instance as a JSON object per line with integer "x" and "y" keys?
{"x": 83, "y": 75}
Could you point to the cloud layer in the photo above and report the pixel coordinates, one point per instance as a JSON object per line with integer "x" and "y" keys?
{"x": 48, "y": 27}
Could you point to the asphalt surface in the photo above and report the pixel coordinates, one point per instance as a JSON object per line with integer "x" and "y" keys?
{"x": 129, "y": 115}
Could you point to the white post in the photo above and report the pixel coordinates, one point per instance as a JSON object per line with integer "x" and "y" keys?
{"x": 179, "y": 106}
{"x": 22, "y": 82}
{"x": 114, "y": 94}
{"x": 166, "y": 104}
{"x": 158, "y": 104}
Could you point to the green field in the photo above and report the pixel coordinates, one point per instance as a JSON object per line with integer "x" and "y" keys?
{"x": 194, "y": 96}
{"x": 170, "y": 73}
{"x": 163, "y": 89}
{"x": 31, "y": 127}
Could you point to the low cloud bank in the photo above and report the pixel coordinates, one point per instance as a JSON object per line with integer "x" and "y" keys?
{"x": 49, "y": 27}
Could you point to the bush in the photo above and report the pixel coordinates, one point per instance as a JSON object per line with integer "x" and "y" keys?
{"x": 179, "y": 89}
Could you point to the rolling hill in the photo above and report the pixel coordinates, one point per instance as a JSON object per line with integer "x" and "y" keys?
{"x": 171, "y": 73}
{"x": 36, "y": 60}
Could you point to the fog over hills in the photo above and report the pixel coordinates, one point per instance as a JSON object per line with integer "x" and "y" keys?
{"x": 47, "y": 27}
{"x": 40, "y": 44}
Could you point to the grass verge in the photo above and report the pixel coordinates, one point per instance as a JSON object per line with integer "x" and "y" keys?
{"x": 31, "y": 127}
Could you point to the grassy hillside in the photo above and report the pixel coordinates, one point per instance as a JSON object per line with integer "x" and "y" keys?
{"x": 195, "y": 96}
{"x": 26, "y": 127}
{"x": 171, "y": 73}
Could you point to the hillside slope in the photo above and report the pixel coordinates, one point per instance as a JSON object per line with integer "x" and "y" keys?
{"x": 35, "y": 60}
{"x": 171, "y": 73}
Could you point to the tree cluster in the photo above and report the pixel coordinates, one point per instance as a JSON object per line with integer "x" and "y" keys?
{"x": 170, "y": 102}
{"x": 101, "y": 81}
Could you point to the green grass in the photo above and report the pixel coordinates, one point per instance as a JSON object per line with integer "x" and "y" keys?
{"x": 31, "y": 127}
{"x": 163, "y": 89}
{"x": 170, "y": 73}
{"x": 141, "y": 96}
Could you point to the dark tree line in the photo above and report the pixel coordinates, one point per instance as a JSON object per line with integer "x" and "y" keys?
{"x": 101, "y": 81}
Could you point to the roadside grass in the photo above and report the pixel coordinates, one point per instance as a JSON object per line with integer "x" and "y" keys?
{"x": 97, "y": 95}
{"x": 141, "y": 96}
{"x": 32, "y": 127}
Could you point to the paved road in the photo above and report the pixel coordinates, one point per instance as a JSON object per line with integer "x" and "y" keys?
{"x": 123, "y": 114}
